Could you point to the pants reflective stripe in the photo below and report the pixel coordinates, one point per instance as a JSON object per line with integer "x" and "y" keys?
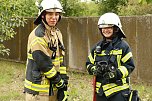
{"x": 116, "y": 89}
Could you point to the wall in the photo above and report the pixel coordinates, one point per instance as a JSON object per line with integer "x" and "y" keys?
{"x": 80, "y": 34}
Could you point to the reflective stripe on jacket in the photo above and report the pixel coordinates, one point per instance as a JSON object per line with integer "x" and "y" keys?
{"x": 123, "y": 61}
{"x": 39, "y": 71}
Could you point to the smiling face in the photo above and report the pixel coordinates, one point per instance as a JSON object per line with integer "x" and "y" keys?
{"x": 107, "y": 32}
{"x": 52, "y": 18}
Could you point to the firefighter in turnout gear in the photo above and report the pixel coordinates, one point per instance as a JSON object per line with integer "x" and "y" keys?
{"x": 46, "y": 77}
{"x": 111, "y": 61}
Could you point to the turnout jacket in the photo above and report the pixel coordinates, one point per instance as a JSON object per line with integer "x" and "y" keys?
{"x": 45, "y": 52}
{"x": 122, "y": 59}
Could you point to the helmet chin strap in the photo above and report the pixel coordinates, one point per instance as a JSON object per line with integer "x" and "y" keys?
{"x": 44, "y": 19}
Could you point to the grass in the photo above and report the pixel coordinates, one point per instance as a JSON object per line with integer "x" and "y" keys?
{"x": 80, "y": 85}
{"x": 11, "y": 81}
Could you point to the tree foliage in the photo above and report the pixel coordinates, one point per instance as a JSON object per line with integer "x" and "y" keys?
{"x": 28, "y": 8}
{"x": 145, "y": 1}
{"x": 77, "y": 8}
{"x": 71, "y": 7}
{"x": 111, "y": 5}
{"x": 10, "y": 17}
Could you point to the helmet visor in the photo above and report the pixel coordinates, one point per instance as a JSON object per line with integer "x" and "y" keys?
{"x": 105, "y": 25}
{"x": 53, "y": 10}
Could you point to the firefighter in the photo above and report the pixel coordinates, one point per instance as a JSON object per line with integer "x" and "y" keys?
{"x": 46, "y": 78}
{"x": 111, "y": 61}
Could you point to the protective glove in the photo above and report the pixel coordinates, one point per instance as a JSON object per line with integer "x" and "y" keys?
{"x": 96, "y": 71}
{"x": 65, "y": 77}
{"x": 62, "y": 94}
{"x": 112, "y": 76}
{"x": 109, "y": 75}
{"x": 58, "y": 81}
{"x": 60, "y": 84}
{"x": 134, "y": 96}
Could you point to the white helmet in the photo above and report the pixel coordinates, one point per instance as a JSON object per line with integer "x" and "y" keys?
{"x": 49, "y": 6}
{"x": 110, "y": 19}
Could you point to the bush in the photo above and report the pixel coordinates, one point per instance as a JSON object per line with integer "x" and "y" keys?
{"x": 10, "y": 17}
{"x": 136, "y": 9}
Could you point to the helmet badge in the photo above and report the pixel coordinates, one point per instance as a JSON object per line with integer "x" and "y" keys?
{"x": 55, "y": 6}
{"x": 103, "y": 22}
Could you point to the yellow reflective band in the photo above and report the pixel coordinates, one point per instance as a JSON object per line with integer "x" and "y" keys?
{"x": 116, "y": 52}
{"x": 38, "y": 40}
{"x": 118, "y": 60}
{"x": 56, "y": 61}
{"x": 97, "y": 90}
{"x": 124, "y": 71}
{"x": 65, "y": 96}
{"x": 36, "y": 87}
{"x": 126, "y": 57}
{"x": 116, "y": 89}
{"x": 29, "y": 56}
{"x": 130, "y": 98}
{"x": 108, "y": 86}
{"x": 98, "y": 84}
{"x": 91, "y": 58}
{"x": 124, "y": 80}
{"x": 61, "y": 59}
{"x": 111, "y": 85}
{"x": 62, "y": 70}
{"x": 51, "y": 73}
{"x": 102, "y": 53}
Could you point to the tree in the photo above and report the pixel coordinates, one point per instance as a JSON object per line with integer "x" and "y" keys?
{"x": 72, "y": 8}
{"x": 110, "y": 5}
{"x": 145, "y": 1}
{"x": 10, "y": 17}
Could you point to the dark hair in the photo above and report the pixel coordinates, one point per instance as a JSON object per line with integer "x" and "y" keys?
{"x": 117, "y": 32}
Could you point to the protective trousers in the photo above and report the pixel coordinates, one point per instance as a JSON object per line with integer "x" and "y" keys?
{"x": 121, "y": 96}
{"x": 31, "y": 97}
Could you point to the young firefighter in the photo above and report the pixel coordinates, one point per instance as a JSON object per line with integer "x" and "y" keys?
{"x": 46, "y": 78}
{"x": 111, "y": 61}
